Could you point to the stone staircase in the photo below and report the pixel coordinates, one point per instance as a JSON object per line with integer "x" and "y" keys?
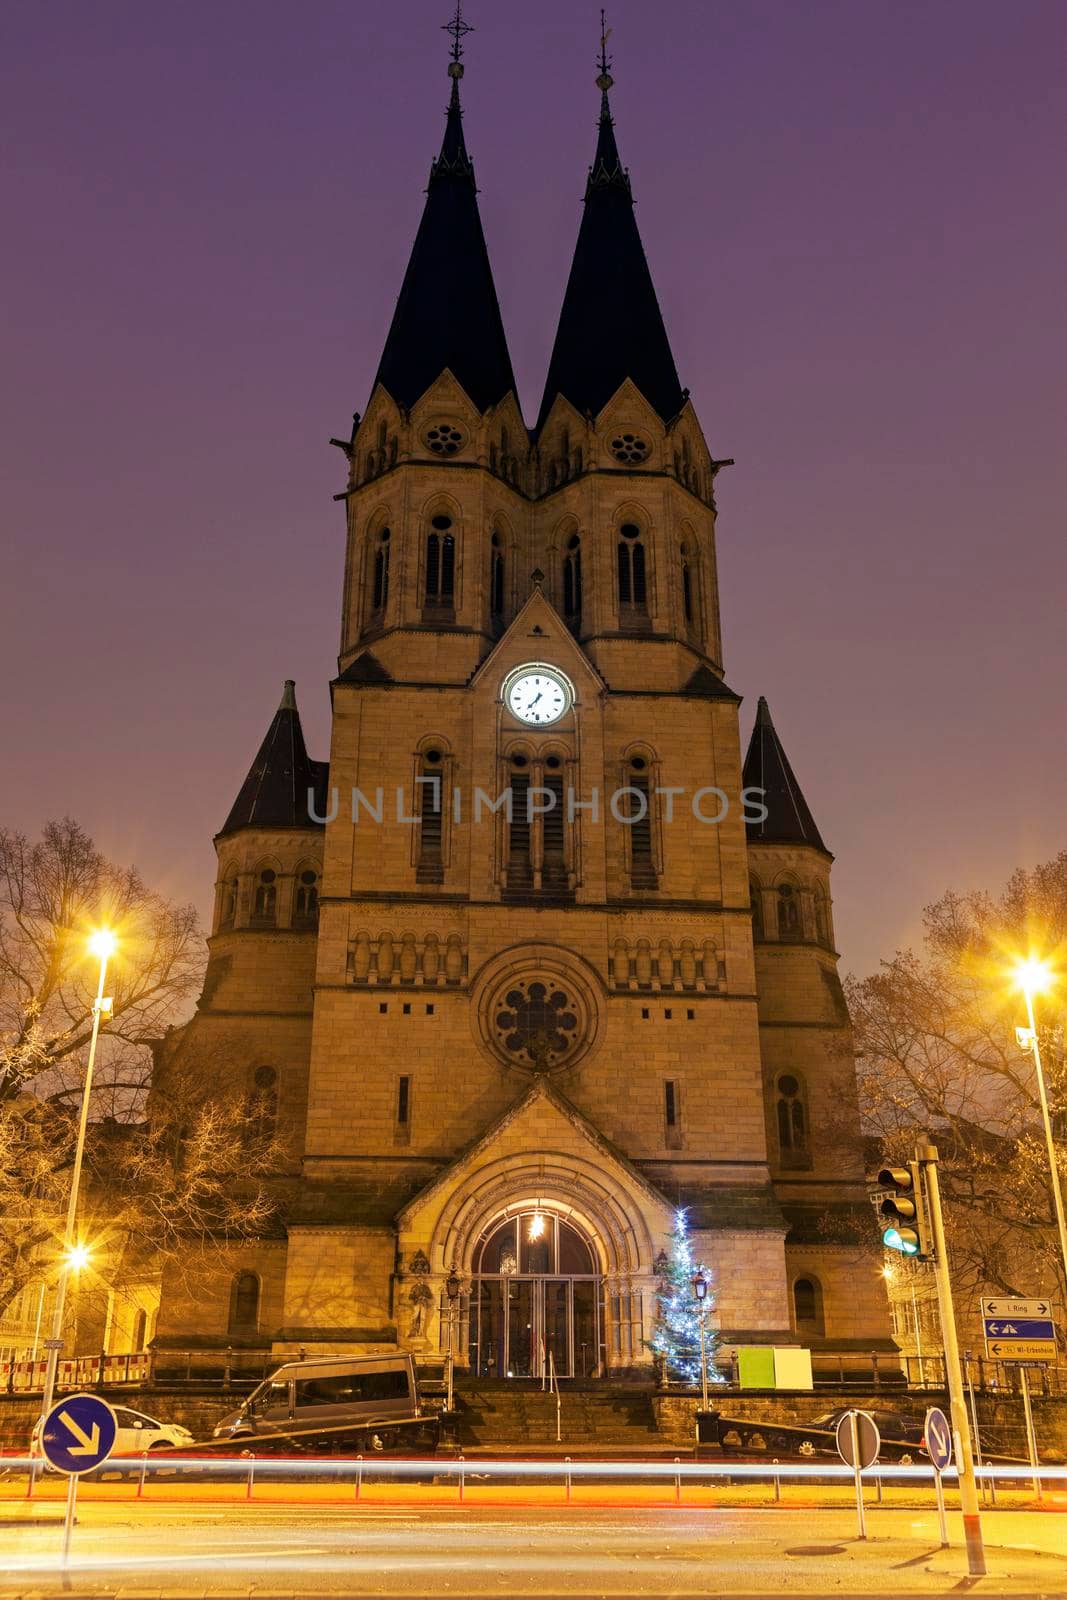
{"x": 601, "y": 1421}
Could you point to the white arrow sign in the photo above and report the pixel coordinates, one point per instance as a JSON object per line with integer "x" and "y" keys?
{"x": 88, "y": 1443}
{"x": 1016, "y": 1308}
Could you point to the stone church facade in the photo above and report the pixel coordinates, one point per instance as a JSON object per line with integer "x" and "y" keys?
{"x": 504, "y": 1040}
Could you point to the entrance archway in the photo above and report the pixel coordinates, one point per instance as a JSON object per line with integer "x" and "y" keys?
{"x": 537, "y": 1298}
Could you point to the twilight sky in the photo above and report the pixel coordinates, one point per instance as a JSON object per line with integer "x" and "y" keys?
{"x": 853, "y": 211}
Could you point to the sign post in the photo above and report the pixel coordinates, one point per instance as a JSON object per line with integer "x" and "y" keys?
{"x": 1031, "y": 1437}
{"x": 938, "y": 1437}
{"x": 77, "y": 1435}
{"x": 858, "y": 1444}
{"x": 1019, "y": 1330}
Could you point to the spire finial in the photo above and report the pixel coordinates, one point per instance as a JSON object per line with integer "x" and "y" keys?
{"x": 457, "y": 28}
{"x": 604, "y": 79}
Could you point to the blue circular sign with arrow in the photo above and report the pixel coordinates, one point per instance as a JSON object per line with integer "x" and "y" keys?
{"x": 79, "y": 1434}
{"x": 938, "y": 1437}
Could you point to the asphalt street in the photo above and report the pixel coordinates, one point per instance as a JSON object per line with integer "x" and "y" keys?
{"x": 173, "y": 1550}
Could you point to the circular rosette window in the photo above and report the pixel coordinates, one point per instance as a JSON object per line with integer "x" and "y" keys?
{"x": 537, "y": 1019}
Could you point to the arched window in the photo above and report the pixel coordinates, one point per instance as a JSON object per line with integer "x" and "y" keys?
{"x": 228, "y": 910}
{"x": 244, "y": 1303}
{"x": 380, "y": 586}
{"x": 643, "y": 873}
{"x": 306, "y": 900}
{"x": 265, "y": 911}
{"x": 263, "y": 1106}
{"x": 430, "y": 804}
{"x": 440, "y": 564}
{"x": 690, "y": 590}
{"x": 788, "y": 912}
{"x": 633, "y": 588}
{"x": 140, "y": 1328}
{"x": 496, "y": 584}
{"x": 807, "y": 1306}
{"x": 792, "y": 1119}
{"x": 822, "y": 918}
{"x": 755, "y": 895}
{"x": 572, "y": 583}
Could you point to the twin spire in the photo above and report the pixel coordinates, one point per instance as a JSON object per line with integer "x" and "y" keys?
{"x": 447, "y": 314}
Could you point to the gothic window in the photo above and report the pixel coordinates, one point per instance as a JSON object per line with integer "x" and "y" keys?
{"x": 228, "y": 912}
{"x": 822, "y": 919}
{"x": 755, "y": 895}
{"x": 672, "y": 1113}
{"x": 306, "y": 901}
{"x": 633, "y": 589}
{"x": 496, "y": 584}
{"x": 265, "y": 906}
{"x": 807, "y": 1306}
{"x": 791, "y": 1119}
{"x": 430, "y": 804}
{"x": 444, "y": 439}
{"x": 402, "y": 1123}
{"x": 572, "y": 583}
{"x": 629, "y": 448}
{"x": 380, "y": 582}
{"x": 140, "y": 1328}
{"x": 520, "y": 853}
{"x": 553, "y": 837}
{"x": 244, "y": 1303}
{"x": 440, "y": 564}
{"x": 262, "y": 1106}
{"x": 690, "y": 590}
{"x": 788, "y": 912}
{"x": 642, "y": 859}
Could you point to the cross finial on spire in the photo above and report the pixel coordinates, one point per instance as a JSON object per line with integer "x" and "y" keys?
{"x": 457, "y": 28}
{"x": 604, "y": 80}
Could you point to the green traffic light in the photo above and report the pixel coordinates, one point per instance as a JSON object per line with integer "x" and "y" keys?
{"x": 906, "y": 1240}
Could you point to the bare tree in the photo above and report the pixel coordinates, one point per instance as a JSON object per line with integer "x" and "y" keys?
{"x": 937, "y": 1054}
{"x": 167, "y": 1175}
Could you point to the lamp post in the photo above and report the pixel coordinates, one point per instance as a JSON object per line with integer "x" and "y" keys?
{"x": 452, "y": 1288}
{"x": 700, "y": 1295}
{"x": 1033, "y": 977}
{"x": 101, "y": 945}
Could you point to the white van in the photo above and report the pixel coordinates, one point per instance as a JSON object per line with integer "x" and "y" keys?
{"x": 350, "y": 1403}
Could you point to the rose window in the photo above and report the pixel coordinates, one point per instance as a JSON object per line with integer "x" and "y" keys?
{"x": 443, "y": 439}
{"x": 536, "y": 1024}
{"x": 629, "y": 447}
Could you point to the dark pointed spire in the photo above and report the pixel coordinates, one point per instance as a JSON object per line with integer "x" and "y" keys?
{"x": 610, "y": 327}
{"x": 275, "y": 793}
{"x": 788, "y": 819}
{"x": 447, "y": 313}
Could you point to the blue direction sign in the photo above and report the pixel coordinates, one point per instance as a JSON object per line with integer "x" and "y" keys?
{"x": 79, "y": 1433}
{"x": 938, "y": 1437}
{"x": 1019, "y": 1328}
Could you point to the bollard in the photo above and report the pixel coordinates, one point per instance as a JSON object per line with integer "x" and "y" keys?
{"x": 462, "y": 1475}
{"x": 140, "y": 1480}
{"x": 777, "y": 1486}
{"x": 677, "y": 1483}
{"x": 878, "y": 1487}
{"x": 359, "y": 1476}
{"x": 567, "y": 1459}
{"x": 251, "y": 1477}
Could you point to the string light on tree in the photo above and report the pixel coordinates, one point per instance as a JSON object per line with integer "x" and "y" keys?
{"x": 676, "y": 1339}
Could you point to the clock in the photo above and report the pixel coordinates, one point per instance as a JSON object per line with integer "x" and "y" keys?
{"x": 537, "y": 694}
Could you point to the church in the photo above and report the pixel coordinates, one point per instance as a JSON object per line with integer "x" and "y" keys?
{"x": 536, "y": 960}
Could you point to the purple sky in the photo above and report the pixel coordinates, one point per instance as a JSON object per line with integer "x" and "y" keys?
{"x": 854, "y": 216}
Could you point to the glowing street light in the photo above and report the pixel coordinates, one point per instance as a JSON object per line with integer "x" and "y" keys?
{"x": 75, "y": 1256}
{"x": 700, "y": 1295}
{"x": 1034, "y": 977}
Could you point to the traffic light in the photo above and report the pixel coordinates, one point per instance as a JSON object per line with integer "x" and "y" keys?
{"x": 903, "y": 1213}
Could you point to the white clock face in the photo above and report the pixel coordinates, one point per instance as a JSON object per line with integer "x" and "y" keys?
{"x": 537, "y": 695}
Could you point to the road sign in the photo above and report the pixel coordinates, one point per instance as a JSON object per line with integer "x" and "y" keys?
{"x": 938, "y": 1437}
{"x": 78, "y": 1434}
{"x": 1020, "y": 1328}
{"x": 868, "y": 1437}
{"x": 1021, "y": 1349}
{"x": 1001, "y": 1307}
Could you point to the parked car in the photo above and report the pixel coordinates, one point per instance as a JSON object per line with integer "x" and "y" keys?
{"x": 350, "y": 1403}
{"x": 890, "y": 1424}
{"x": 137, "y": 1433}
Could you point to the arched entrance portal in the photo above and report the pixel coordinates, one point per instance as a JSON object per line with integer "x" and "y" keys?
{"x": 537, "y": 1299}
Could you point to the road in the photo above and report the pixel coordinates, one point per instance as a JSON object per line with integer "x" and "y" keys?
{"x": 143, "y": 1550}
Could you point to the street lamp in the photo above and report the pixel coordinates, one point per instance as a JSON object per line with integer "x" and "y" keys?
{"x": 452, "y": 1288}
{"x": 700, "y": 1295}
{"x": 75, "y": 1255}
{"x": 1034, "y": 977}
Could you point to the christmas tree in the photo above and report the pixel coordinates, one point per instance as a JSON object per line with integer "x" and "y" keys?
{"x": 676, "y": 1340}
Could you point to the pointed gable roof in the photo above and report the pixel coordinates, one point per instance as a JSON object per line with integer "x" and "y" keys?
{"x": 447, "y": 315}
{"x": 275, "y": 792}
{"x": 788, "y": 819}
{"x": 610, "y": 327}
